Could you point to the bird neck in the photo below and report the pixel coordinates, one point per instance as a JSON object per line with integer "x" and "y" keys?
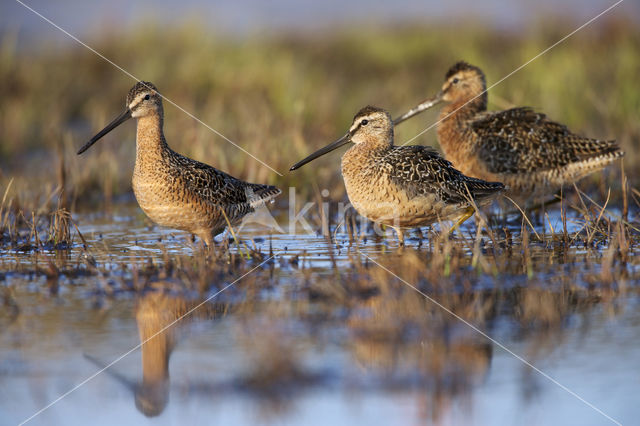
{"x": 465, "y": 107}
{"x": 150, "y": 139}
{"x": 362, "y": 155}
{"x": 453, "y": 128}
{"x": 376, "y": 142}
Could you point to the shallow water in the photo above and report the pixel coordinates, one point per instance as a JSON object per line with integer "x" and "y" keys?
{"x": 289, "y": 358}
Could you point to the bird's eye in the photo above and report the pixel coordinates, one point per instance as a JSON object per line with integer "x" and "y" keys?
{"x": 455, "y": 80}
{"x": 364, "y": 122}
{"x": 146, "y": 98}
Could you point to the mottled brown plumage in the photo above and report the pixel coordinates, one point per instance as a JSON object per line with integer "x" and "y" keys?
{"x": 402, "y": 186}
{"x": 529, "y": 153}
{"x": 176, "y": 191}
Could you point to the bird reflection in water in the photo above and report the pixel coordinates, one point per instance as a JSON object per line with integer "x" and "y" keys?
{"x": 408, "y": 345}
{"x": 156, "y": 313}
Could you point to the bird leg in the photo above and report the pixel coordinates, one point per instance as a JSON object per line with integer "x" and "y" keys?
{"x": 207, "y": 238}
{"x": 400, "y": 235}
{"x": 469, "y": 211}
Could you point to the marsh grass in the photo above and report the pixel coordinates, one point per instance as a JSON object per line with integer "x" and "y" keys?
{"x": 290, "y": 95}
{"x": 29, "y": 223}
{"x": 284, "y": 94}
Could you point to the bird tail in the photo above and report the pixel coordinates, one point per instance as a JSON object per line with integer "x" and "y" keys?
{"x": 480, "y": 189}
{"x": 596, "y": 148}
{"x": 258, "y": 194}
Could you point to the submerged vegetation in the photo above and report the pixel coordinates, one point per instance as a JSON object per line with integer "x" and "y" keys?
{"x": 397, "y": 317}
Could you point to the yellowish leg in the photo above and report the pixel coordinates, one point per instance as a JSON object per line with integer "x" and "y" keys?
{"x": 467, "y": 214}
{"x": 230, "y": 228}
{"x": 400, "y": 236}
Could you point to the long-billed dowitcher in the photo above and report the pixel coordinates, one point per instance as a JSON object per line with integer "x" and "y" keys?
{"x": 529, "y": 153}
{"x": 176, "y": 191}
{"x": 402, "y": 186}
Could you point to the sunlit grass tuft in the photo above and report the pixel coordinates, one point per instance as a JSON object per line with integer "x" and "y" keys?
{"x": 282, "y": 97}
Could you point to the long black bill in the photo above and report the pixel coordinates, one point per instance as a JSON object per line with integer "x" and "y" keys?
{"x": 322, "y": 151}
{"x": 115, "y": 123}
{"x": 423, "y": 106}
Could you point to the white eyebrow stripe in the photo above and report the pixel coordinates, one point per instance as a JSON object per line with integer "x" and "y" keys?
{"x": 137, "y": 100}
{"x": 357, "y": 122}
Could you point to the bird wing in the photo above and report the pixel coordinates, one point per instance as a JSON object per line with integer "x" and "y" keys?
{"x": 421, "y": 171}
{"x": 519, "y": 140}
{"x": 222, "y": 189}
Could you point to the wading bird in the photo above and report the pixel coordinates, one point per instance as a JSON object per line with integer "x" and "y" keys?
{"x": 529, "y": 153}
{"x": 176, "y": 191}
{"x": 402, "y": 186}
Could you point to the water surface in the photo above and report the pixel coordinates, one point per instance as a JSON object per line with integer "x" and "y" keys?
{"x": 288, "y": 345}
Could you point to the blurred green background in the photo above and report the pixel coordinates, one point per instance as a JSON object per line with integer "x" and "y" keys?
{"x": 282, "y": 94}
